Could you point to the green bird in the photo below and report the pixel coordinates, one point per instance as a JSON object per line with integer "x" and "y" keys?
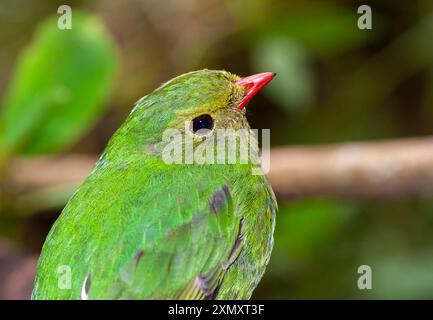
{"x": 141, "y": 228}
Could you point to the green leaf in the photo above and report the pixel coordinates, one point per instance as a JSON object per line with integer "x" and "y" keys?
{"x": 60, "y": 85}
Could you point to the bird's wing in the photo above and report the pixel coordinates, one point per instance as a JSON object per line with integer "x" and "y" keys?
{"x": 187, "y": 260}
{"x": 128, "y": 236}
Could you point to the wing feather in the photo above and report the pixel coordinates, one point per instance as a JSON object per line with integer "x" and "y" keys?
{"x": 190, "y": 260}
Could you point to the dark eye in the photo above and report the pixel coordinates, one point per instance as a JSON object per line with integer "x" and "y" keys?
{"x": 202, "y": 124}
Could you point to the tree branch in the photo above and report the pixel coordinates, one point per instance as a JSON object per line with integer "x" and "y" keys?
{"x": 369, "y": 169}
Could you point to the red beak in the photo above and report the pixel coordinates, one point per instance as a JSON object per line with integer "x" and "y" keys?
{"x": 253, "y": 84}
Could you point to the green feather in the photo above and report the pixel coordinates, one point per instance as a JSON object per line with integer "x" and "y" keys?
{"x": 138, "y": 228}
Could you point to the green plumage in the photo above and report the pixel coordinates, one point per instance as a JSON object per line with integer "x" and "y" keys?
{"x": 138, "y": 228}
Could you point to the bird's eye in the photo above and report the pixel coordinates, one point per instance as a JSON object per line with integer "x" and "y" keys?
{"x": 202, "y": 124}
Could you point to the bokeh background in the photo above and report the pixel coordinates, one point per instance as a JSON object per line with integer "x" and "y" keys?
{"x": 64, "y": 93}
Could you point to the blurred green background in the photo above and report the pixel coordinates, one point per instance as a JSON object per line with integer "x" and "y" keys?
{"x": 65, "y": 92}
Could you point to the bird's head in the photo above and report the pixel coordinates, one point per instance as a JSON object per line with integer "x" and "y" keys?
{"x": 196, "y": 104}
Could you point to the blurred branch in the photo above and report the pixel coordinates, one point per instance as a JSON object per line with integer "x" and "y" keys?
{"x": 368, "y": 169}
